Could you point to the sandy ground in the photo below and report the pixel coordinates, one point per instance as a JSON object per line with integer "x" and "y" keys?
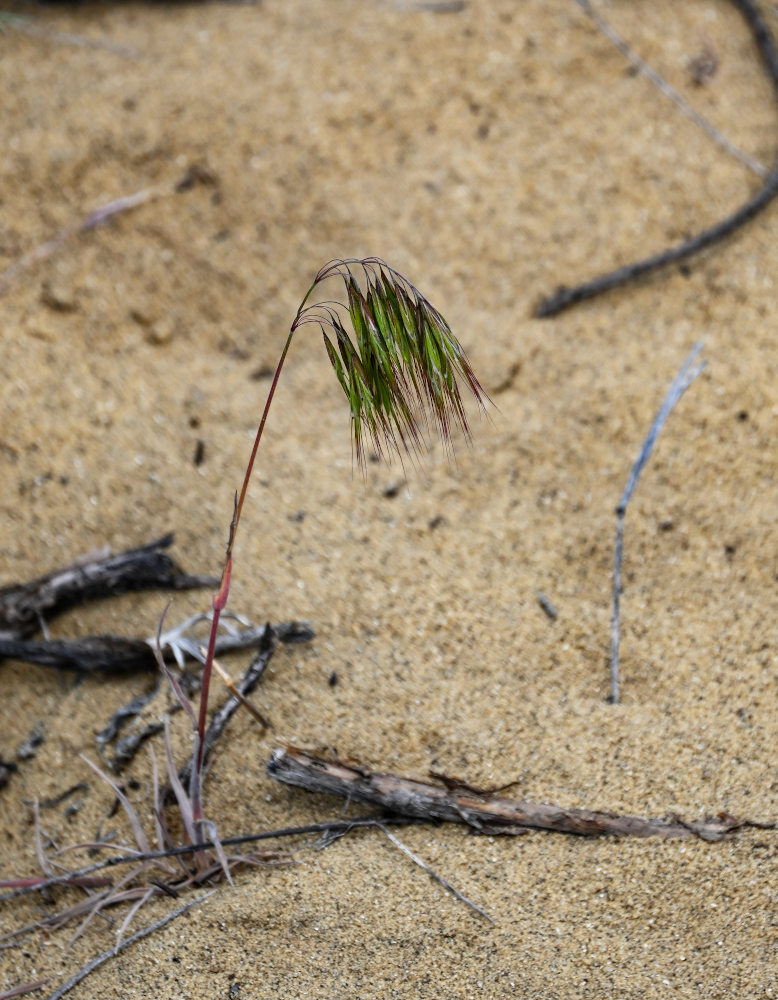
{"x": 490, "y": 153}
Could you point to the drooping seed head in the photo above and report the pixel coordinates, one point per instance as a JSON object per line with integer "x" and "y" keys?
{"x": 403, "y": 369}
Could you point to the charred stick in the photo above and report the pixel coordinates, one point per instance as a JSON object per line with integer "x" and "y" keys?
{"x": 102, "y": 574}
{"x": 104, "y": 654}
{"x": 114, "y": 654}
{"x": 483, "y": 811}
{"x": 128, "y": 746}
{"x": 124, "y": 714}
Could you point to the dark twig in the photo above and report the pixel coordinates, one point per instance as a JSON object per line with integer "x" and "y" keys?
{"x": 687, "y": 374}
{"x": 127, "y": 747}
{"x": 23, "y": 887}
{"x": 483, "y": 811}
{"x": 114, "y": 654}
{"x": 220, "y": 718}
{"x": 122, "y": 715}
{"x": 564, "y": 297}
{"x": 107, "y": 654}
{"x": 97, "y": 574}
{"x": 56, "y": 800}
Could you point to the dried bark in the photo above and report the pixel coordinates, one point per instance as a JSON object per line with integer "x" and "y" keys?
{"x": 483, "y": 811}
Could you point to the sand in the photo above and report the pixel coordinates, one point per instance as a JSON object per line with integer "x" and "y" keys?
{"x": 490, "y": 152}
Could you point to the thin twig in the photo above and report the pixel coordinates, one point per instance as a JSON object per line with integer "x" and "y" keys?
{"x": 64, "y": 879}
{"x": 669, "y": 91}
{"x": 565, "y": 297}
{"x": 101, "y": 214}
{"x": 102, "y": 958}
{"x": 687, "y": 374}
{"x": 438, "y": 878}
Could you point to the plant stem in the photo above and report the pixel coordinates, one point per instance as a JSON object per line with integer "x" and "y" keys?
{"x": 219, "y": 601}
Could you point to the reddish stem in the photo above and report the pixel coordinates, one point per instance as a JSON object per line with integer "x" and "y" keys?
{"x": 219, "y": 601}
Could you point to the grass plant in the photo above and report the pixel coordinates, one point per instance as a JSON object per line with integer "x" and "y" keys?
{"x": 402, "y": 372}
{"x": 400, "y": 368}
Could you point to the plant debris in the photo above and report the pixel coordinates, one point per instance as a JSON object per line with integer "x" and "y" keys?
{"x": 23, "y": 606}
{"x": 483, "y": 811}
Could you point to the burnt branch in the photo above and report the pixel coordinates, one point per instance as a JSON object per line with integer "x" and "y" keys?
{"x": 23, "y": 606}
{"x": 115, "y": 654}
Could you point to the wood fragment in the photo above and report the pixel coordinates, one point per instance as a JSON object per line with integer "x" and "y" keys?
{"x": 483, "y": 813}
{"x": 7, "y": 768}
{"x": 546, "y": 606}
{"x": 127, "y": 747}
{"x": 51, "y": 803}
{"x": 123, "y": 715}
{"x": 116, "y": 654}
{"x": 92, "y": 654}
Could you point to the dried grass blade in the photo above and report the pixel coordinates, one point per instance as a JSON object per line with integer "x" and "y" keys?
{"x": 137, "y": 827}
{"x": 184, "y": 802}
{"x": 43, "y": 861}
{"x": 19, "y": 991}
{"x": 209, "y": 827}
{"x": 132, "y": 911}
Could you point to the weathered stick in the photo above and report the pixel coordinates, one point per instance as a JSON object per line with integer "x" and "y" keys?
{"x": 483, "y": 811}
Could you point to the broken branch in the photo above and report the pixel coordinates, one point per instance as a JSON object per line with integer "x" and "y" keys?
{"x": 483, "y": 811}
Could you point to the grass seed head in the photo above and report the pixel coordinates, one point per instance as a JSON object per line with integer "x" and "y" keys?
{"x": 402, "y": 369}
